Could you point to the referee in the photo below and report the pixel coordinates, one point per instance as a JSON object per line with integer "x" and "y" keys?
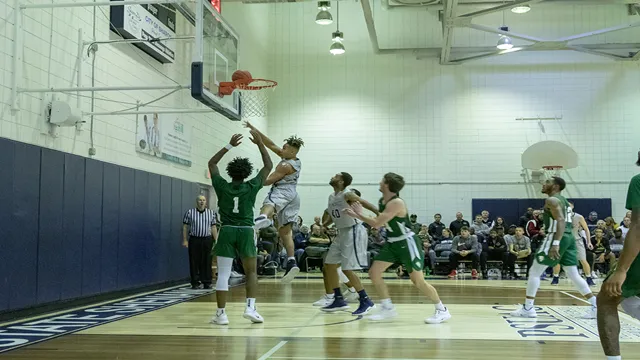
{"x": 200, "y": 224}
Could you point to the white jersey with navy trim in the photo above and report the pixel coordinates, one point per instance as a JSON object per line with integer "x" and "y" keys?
{"x": 290, "y": 180}
{"x": 337, "y": 204}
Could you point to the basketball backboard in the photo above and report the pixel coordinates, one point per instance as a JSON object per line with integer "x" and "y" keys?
{"x": 549, "y": 154}
{"x": 215, "y": 60}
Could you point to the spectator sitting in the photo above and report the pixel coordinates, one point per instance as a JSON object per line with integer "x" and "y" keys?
{"x": 493, "y": 248}
{"x": 611, "y": 224}
{"x": 295, "y": 228}
{"x": 316, "y": 223}
{"x": 487, "y": 220}
{"x": 535, "y": 224}
{"x": 464, "y": 247}
{"x": 601, "y": 249}
{"x": 436, "y": 227}
{"x": 479, "y": 227}
{"x": 616, "y": 242}
{"x": 500, "y": 225}
{"x": 301, "y": 241}
{"x": 627, "y": 215}
{"x": 427, "y": 243}
{"x": 457, "y": 224}
{"x": 592, "y": 221}
{"x": 524, "y": 219}
{"x": 519, "y": 249}
{"x": 415, "y": 225}
{"x": 624, "y": 227}
{"x": 508, "y": 237}
{"x": 607, "y": 234}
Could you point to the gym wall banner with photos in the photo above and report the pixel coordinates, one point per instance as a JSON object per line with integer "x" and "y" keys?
{"x": 164, "y": 136}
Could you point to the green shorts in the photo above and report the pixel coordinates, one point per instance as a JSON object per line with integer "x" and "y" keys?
{"x": 568, "y": 252}
{"x": 631, "y": 285}
{"x": 236, "y": 241}
{"x": 407, "y": 252}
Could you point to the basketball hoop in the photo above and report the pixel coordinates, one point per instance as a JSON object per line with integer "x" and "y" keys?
{"x": 552, "y": 169}
{"x": 254, "y": 95}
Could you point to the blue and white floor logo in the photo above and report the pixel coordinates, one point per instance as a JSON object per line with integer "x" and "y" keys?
{"x": 21, "y": 334}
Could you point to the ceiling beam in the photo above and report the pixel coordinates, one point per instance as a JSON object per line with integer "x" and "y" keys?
{"x": 448, "y": 15}
{"x": 506, "y": 6}
{"x": 506, "y": 33}
{"x": 600, "y": 32}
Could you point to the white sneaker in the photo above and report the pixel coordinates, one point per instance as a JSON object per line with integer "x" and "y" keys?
{"x": 592, "y": 313}
{"x": 384, "y": 314}
{"x": 438, "y": 317}
{"x": 522, "y": 312}
{"x": 252, "y": 314}
{"x": 594, "y": 275}
{"x": 324, "y": 301}
{"x": 261, "y": 222}
{"x": 235, "y": 274}
{"x": 350, "y": 296}
{"x": 220, "y": 319}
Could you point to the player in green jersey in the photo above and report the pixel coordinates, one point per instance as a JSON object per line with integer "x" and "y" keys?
{"x": 622, "y": 285}
{"x": 237, "y": 235}
{"x": 559, "y": 247}
{"x": 401, "y": 247}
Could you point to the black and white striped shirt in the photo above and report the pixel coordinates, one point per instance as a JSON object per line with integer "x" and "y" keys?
{"x": 200, "y": 222}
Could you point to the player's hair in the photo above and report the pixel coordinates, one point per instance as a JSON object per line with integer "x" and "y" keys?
{"x": 294, "y": 141}
{"x": 437, "y": 214}
{"x": 357, "y": 192}
{"x": 239, "y": 168}
{"x": 395, "y": 182}
{"x": 560, "y": 182}
{"x": 346, "y": 178}
{"x": 638, "y": 162}
{"x": 464, "y": 228}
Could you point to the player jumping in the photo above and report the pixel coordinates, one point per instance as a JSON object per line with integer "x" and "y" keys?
{"x": 349, "y": 249}
{"x": 401, "y": 247}
{"x": 622, "y": 285}
{"x": 235, "y": 202}
{"x": 559, "y": 247}
{"x": 283, "y": 199}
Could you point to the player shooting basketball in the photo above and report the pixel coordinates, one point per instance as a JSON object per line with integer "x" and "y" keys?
{"x": 622, "y": 285}
{"x": 283, "y": 199}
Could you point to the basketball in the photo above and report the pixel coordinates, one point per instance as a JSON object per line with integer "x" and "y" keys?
{"x": 241, "y": 75}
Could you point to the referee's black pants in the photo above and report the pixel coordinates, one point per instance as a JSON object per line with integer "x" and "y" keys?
{"x": 200, "y": 260}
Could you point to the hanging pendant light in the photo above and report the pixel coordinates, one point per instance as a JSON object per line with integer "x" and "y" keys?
{"x": 324, "y": 16}
{"x": 337, "y": 47}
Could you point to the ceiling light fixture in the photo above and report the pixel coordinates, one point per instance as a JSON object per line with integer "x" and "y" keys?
{"x": 504, "y": 43}
{"x": 324, "y": 16}
{"x": 521, "y": 9}
{"x": 337, "y": 48}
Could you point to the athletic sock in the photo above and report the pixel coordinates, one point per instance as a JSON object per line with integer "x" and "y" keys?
{"x": 291, "y": 258}
{"x": 251, "y": 303}
{"x": 363, "y": 295}
{"x": 337, "y": 293}
{"x": 556, "y": 275}
{"x": 352, "y": 289}
{"x": 614, "y": 357}
{"x": 220, "y": 311}
{"x": 330, "y": 296}
{"x": 528, "y": 304}
{"x": 440, "y": 307}
{"x": 386, "y": 303}
{"x": 592, "y": 300}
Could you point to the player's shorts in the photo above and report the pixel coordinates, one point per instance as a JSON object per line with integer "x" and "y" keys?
{"x": 631, "y": 285}
{"x": 234, "y": 241}
{"x": 568, "y": 252}
{"x": 349, "y": 248}
{"x": 408, "y": 252}
{"x": 286, "y": 202}
{"x": 581, "y": 252}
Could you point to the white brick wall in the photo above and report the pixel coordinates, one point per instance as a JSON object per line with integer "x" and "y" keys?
{"x": 442, "y": 125}
{"x": 119, "y": 65}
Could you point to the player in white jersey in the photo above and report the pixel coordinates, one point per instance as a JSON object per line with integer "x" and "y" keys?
{"x": 349, "y": 248}
{"x": 283, "y": 199}
{"x": 580, "y": 232}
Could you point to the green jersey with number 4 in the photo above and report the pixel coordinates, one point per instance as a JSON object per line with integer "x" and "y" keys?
{"x": 397, "y": 227}
{"x": 551, "y": 225}
{"x": 236, "y": 200}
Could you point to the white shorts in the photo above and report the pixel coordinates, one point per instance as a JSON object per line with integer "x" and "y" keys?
{"x": 286, "y": 202}
{"x": 581, "y": 252}
{"x": 349, "y": 248}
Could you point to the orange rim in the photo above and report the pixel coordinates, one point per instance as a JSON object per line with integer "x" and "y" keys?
{"x": 227, "y": 87}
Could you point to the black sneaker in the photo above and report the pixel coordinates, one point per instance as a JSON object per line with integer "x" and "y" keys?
{"x": 292, "y": 270}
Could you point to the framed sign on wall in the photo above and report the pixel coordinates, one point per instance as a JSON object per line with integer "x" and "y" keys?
{"x": 147, "y": 22}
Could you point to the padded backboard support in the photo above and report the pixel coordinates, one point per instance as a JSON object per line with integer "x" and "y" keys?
{"x": 215, "y": 60}
{"x": 549, "y": 153}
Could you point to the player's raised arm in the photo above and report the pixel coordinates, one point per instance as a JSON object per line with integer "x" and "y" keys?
{"x": 393, "y": 208}
{"x": 213, "y": 162}
{"x": 267, "y": 142}
{"x": 352, "y": 198}
{"x": 267, "y": 164}
{"x": 283, "y": 169}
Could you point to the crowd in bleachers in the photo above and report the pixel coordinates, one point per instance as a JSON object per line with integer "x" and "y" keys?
{"x": 485, "y": 245}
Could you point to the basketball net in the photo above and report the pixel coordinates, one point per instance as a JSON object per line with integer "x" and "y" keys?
{"x": 254, "y": 102}
{"x": 550, "y": 171}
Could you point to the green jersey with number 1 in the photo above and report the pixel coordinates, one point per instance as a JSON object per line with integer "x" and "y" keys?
{"x": 236, "y": 201}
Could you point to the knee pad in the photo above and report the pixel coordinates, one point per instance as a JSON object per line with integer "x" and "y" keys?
{"x": 343, "y": 278}
{"x": 632, "y": 306}
{"x": 224, "y": 273}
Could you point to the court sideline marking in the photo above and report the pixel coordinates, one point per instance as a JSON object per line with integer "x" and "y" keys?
{"x": 282, "y": 343}
{"x": 622, "y": 314}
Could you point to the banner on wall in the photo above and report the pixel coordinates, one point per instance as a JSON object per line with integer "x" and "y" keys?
{"x": 164, "y": 136}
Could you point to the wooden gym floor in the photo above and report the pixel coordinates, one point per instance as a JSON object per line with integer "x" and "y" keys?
{"x": 480, "y": 328}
